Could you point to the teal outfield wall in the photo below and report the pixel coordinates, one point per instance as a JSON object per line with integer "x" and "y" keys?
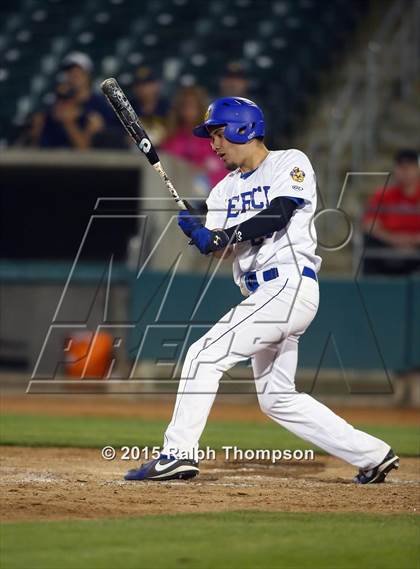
{"x": 365, "y": 325}
{"x": 369, "y": 324}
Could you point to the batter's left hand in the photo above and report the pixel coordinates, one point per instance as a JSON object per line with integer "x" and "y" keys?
{"x": 208, "y": 241}
{"x": 188, "y": 222}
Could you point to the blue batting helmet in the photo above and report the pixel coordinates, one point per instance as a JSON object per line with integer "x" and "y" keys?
{"x": 243, "y": 119}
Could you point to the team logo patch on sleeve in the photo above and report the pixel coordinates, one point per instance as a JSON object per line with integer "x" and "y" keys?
{"x": 297, "y": 174}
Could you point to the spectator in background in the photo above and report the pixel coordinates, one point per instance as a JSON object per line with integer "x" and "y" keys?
{"x": 149, "y": 103}
{"x": 233, "y": 82}
{"x": 395, "y": 215}
{"x": 65, "y": 123}
{"x": 78, "y": 118}
{"x": 77, "y": 70}
{"x": 188, "y": 110}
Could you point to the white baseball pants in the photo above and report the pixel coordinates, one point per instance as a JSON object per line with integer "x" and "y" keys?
{"x": 265, "y": 327}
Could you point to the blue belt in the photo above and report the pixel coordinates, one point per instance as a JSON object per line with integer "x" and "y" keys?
{"x": 271, "y": 274}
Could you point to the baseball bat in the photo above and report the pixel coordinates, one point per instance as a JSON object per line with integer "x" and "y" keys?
{"x": 131, "y": 122}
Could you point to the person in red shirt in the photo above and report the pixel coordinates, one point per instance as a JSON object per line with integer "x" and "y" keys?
{"x": 392, "y": 221}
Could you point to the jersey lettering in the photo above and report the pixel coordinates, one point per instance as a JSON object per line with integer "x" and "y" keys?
{"x": 231, "y": 209}
{"x": 246, "y": 201}
{"x": 259, "y": 204}
{"x": 257, "y": 198}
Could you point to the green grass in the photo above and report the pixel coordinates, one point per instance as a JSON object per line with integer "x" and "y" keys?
{"x": 39, "y": 430}
{"x": 224, "y": 540}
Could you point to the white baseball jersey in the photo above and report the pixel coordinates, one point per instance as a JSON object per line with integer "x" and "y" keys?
{"x": 238, "y": 197}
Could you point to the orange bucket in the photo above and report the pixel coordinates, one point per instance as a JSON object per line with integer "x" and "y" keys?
{"x": 88, "y": 355}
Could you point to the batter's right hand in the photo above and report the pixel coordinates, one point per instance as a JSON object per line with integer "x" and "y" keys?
{"x": 188, "y": 223}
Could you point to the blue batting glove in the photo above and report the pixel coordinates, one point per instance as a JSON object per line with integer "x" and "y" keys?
{"x": 208, "y": 241}
{"x": 188, "y": 222}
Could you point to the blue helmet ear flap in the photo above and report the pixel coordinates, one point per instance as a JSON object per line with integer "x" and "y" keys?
{"x": 241, "y": 133}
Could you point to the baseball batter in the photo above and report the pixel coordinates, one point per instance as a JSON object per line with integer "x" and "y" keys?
{"x": 263, "y": 210}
